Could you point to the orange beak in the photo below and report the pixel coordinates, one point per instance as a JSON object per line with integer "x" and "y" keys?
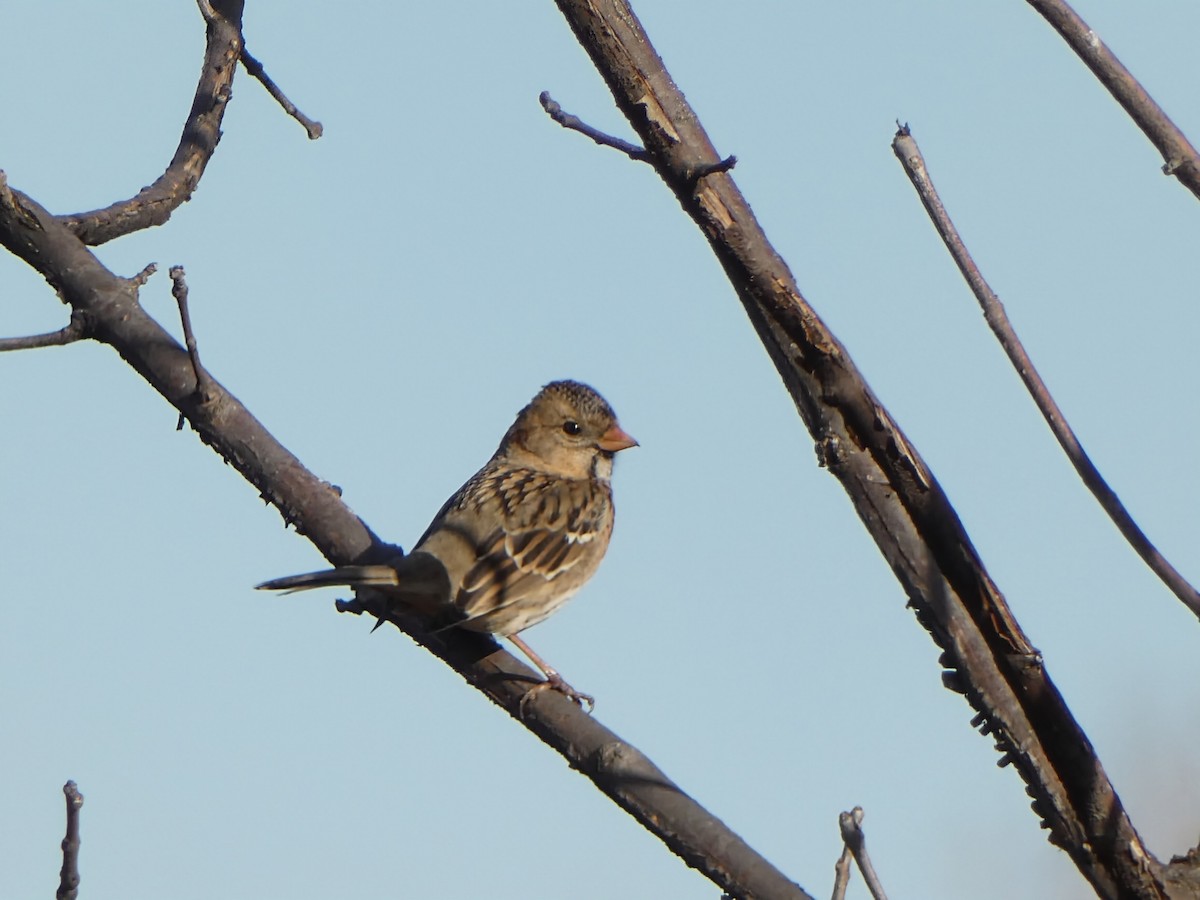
{"x": 615, "y": 439}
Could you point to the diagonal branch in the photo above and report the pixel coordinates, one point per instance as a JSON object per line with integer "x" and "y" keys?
{"x": 315, "y": 508}
{"x": 896, "y": 496}
{"x": 909, "y": 154}
{"x": 1180, "y": 156}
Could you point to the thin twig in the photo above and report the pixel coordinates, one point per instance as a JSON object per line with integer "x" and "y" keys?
{"x": 75, "y": 330}
{"x": 566, "y": 120}
{"x": 910, "y": 158}
{"x": 856, "y": 842}
{"x": 841, "y": 873}
{"x": 204, "y": 389}
{"x": 68, "y": 876}
{"x": 723, "y": 165}
{"x": 255, "y": 68}
{"x": 1180, "y": 156}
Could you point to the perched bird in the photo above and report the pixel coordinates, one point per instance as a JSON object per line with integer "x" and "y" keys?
{"x": 520, "y": 537}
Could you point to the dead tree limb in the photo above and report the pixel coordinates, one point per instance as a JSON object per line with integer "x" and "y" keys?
{"x": 891, "y": 487}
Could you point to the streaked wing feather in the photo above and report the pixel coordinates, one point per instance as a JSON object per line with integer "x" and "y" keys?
{"x": 550, "y": 527}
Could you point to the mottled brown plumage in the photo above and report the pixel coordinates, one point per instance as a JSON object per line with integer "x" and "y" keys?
{"x": 517, "y": 540}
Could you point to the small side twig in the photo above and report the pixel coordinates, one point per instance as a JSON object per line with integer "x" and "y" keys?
{"x": 68, "y": 876}
{"x": 856, "y": 842}
{"x": 566, "y": 120}
{"x": 143, "y": 276}
{"x": 909, "y": 154}
{"x": 314, "y": 128}
{"x": 203, "y": 382}
{"x": 722, "y": 165}
{"x": 75, "y": 330}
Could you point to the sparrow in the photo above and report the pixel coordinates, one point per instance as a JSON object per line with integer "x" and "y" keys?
{"x": 522, "y": 536}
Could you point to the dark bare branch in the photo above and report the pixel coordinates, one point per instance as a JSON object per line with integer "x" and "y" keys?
{"x": 255, "y": 68}
{"x": 1179, "y": 155}
{"x": 909, "y": 154}
{"x": 68, "y": 876}
{"x": 117, "y": 319}
{"x": 896, "y": 496}
{"x": 153, "y": 205}
{"x": 566, "y": 120}
{"x": 850, "y": 824}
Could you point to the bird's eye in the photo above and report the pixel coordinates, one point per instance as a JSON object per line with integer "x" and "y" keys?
{"x": 571, "y": 427}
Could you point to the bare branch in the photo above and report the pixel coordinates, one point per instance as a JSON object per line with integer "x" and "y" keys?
{"x": 204, "y": 390}
{"x": 75, "y": 330}
{"x": 850, "y": 824}
{"x": 68, "y": 876}
{"x": 1180, "y": 156}
{"x": 117, "y": 319}
{"x": 909, "y": 154}
{"x": 895, "y": 494}
{"x": 615, "y": 766}
{"x": 566, "y": 120}
{"x": 153, "y": 205}
{"x": 255, "y": 68}
{"x": 841, "y": 873}
{"x": 179, "y": 290}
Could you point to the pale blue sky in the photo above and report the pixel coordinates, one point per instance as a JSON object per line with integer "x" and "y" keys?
{"x": 386, "y": 298}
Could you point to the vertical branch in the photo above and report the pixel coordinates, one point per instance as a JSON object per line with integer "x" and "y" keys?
{"x": 68, "y": 876}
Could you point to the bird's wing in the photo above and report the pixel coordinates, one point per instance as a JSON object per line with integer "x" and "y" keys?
{"x": 547, "y": 536}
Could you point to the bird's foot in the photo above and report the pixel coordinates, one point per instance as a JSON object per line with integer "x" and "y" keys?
{"x": 554, "y": 682}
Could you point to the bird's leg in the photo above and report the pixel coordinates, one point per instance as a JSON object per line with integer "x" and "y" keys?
{"x": 553, "y": 682}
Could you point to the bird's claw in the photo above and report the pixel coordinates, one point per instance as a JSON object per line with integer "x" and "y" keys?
{"x": 555, "y": 683}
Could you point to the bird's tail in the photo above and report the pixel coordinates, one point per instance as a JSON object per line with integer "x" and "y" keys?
{"x": 342, "y": 576}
